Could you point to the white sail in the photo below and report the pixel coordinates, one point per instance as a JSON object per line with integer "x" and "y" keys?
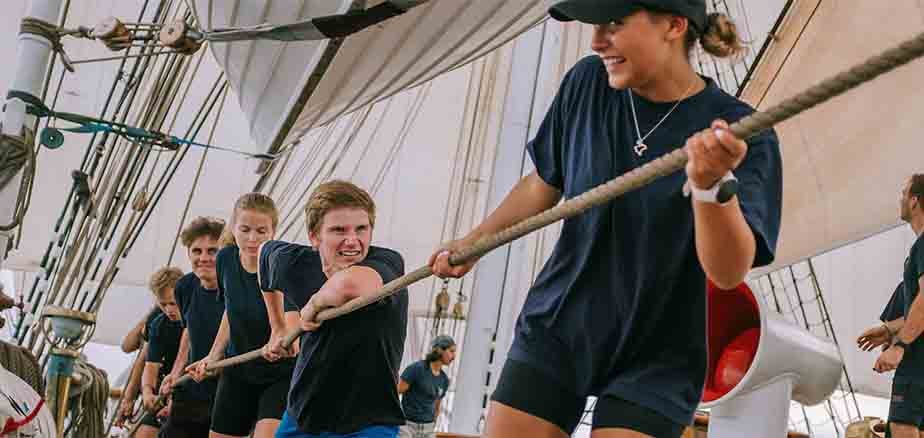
{"x": 270, "y": 77}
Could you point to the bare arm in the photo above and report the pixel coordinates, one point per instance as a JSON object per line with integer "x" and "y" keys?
{"x": 275, "y": 310}
{"x": 281, "y": 324}
{"x": 895, "y": 325}
{"x": 436, "y": 412}
{"x": 134, "y": 377}
{"x": 347, "y": 284}
{"x": 182, "y": 355}
{"x": 132, "y": 341}
{"x": 724, "y": 242}
{"x": 530, "y": 196}
{"x": 149, "y": 383}
{"x": 914, "y": 320}
{"x": 274, "y": 301}
{"x": 221, "y": 338}
{"x": 403, "y": 386}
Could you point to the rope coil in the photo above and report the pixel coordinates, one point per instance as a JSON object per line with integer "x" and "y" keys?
{"x": 16, "y": 154}
{"x": 53, "y": 33}
{"x": 639, "y": 177}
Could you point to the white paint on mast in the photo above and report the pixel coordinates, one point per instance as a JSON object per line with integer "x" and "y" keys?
{"x": 32, "y": 55}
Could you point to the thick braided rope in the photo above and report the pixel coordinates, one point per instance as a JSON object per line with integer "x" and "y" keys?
{"x": 639, "y": 177}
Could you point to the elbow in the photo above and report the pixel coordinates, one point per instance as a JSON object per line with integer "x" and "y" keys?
{"x": 347, "y": 287}
{"x": 128, "y": 347}
{"x": 727, "y": 282}
{"x": 728, "y": 277}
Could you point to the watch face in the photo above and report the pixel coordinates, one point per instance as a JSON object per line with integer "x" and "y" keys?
{"x": 727, "y": 190}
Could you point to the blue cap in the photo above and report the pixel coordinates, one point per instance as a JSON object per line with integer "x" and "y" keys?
{"x": 442, "y": 342}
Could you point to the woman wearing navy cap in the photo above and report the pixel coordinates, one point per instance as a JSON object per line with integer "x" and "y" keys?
{"x": 619, "y": 310}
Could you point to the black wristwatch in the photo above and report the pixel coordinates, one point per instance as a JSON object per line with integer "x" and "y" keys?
{"x": 900, "y": 343}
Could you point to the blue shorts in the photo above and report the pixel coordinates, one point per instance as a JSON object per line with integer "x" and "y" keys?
{"x": 289, "y": 429}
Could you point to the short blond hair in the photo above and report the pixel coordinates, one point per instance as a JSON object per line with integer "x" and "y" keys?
{"x": 163, "y": 279}
{"x": 336, "y": 194}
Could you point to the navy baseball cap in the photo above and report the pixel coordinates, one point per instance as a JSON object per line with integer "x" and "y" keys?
{"x": 607, "y": 11}
{"x": 442, "y": 342}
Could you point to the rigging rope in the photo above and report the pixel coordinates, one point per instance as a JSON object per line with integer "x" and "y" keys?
{"x": 52, "y": 33}
{"x": 65, "y": 221}
{"x": 195, "y": 183}
{"x": 92, "y": 125}
{"x": 88, "y": 401}
{"x": 16, "y": 154}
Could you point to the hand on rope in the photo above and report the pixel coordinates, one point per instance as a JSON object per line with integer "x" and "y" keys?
{"x": 712, "y": 153}
{"x": 637, "y": 178}
{"x": 91, "y": 125}
{"x": 277, "y": 349}
{"x": 439, "y": 261}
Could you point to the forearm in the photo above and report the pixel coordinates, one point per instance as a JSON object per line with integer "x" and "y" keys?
{"x": 529, "y": 197}
{"x": 132, "y": 341}
{"x": 724, "y": 242}
{"x": 134, "y": 378}
{"x": 275, "y": 310}
{"x": 914, "y": 321}
{"x": 221, "y": 338}
{"x": 293, "y": 321}
{"x": 347, "y": 284}
{"x": 149, "y": 378}
{"x": 894, "y": 326}
{"x": 182, "y": 355}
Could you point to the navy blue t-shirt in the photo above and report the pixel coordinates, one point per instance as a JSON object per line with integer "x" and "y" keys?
{"x": 153, "y": 314}
{"x": 620, "y": 306}
{"x": 895, "y": 308}
{"x": 419, "y": 402}
{"x": 163, "y": 342}
{"x": 912, "y": 364}
{"x": 202, "y": 310}
{"x": 347, "y": 372}
{"x": 247, "y": 318}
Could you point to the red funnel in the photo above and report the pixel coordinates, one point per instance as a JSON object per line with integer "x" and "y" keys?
{"x": 733, "y": 334}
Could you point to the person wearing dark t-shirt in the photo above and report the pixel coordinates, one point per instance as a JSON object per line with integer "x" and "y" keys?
{"x": 201, "y": 309}
{"x": 251, "y": 397}
{"x": 906, "y": 354}
{"x": 619, "y": 309}
{"x": 344, "y": 383}
{"x": 423, "y": 384}
{"x": 136, "y": 339}
{"x": 163, "y": 341}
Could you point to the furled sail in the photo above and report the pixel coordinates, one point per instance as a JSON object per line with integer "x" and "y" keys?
{"x": 287, "y": 88}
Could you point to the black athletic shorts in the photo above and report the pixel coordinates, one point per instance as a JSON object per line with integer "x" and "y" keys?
{"x": 239, "y": 404}
{"x": 524, "y": 388}
{"x": 907, "y": 404}
{"x": 188, "y": 419}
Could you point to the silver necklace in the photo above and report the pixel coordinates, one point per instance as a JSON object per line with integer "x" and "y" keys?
{"x": 640, "y": 146}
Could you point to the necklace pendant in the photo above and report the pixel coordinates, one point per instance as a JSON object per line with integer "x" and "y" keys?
{"x": 640, "y": 148}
